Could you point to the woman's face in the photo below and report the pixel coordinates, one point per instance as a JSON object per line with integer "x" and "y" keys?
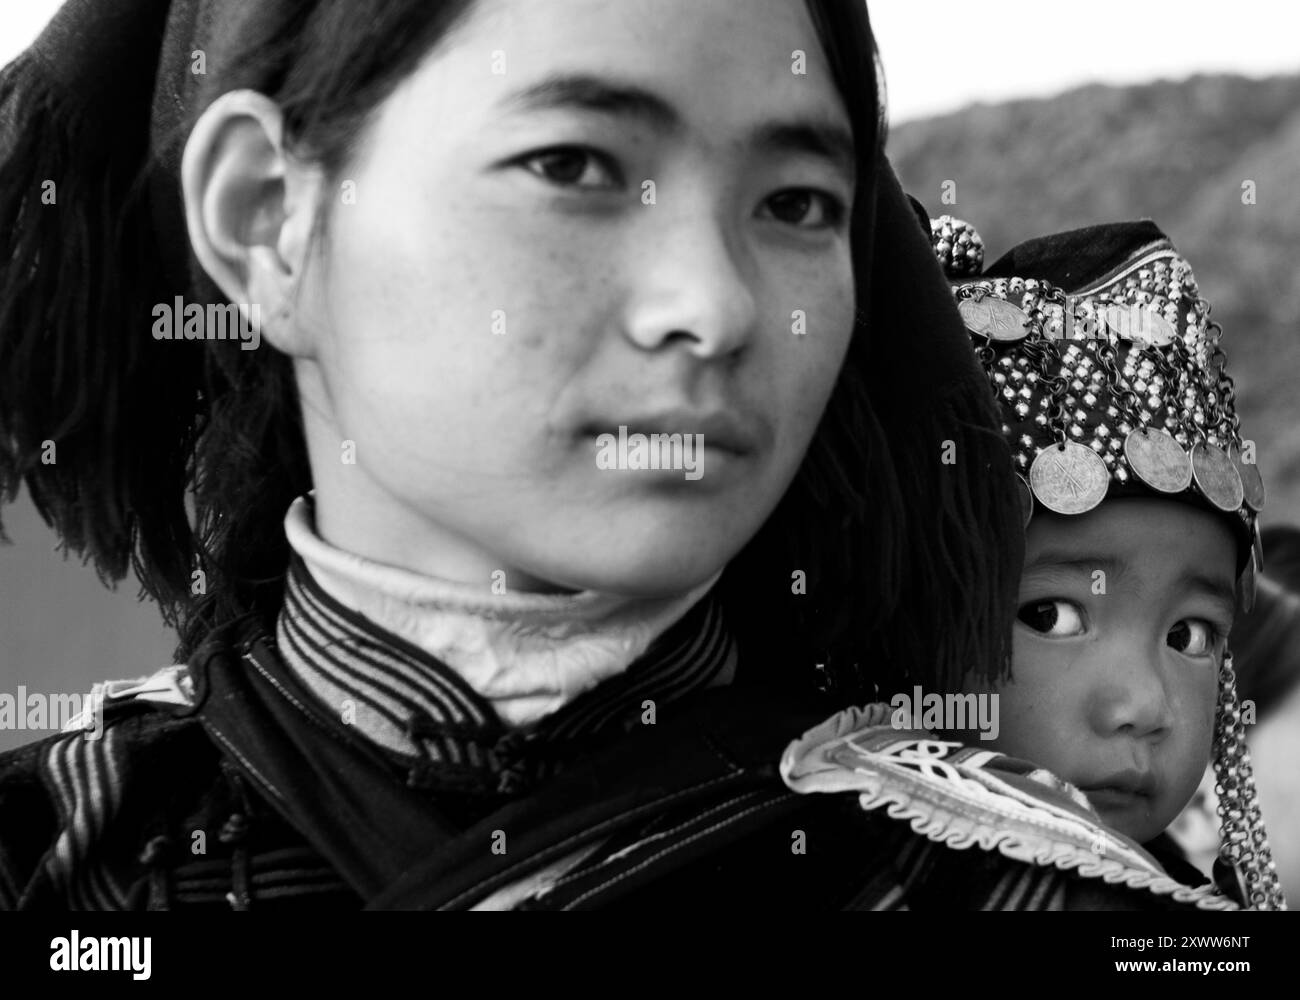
{"x": 573, "y": 218}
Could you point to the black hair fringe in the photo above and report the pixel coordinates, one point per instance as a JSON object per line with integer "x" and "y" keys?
{"x": 78, "y": 366}
{"x": 913, "y": 565}
{"x": 964, "y": 545}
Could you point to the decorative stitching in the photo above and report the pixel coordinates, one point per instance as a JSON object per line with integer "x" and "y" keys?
{"x": 216, "y": 734}
{"x": 628, "y": 873}
{"x": 645, "y": 842}
{"x": 559, "y": 848}
{"x": 906, "y": 800}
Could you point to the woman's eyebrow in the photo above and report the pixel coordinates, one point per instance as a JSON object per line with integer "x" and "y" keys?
{"x": 585, "y": 92}
{"x": 816, "y": 135}
{"x": 823, "y": 139}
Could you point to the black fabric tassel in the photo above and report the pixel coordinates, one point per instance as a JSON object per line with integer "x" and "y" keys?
{"x": 960, "y": 535}
{"x": 958, "y": 598}
{"x": 88, "y": 401}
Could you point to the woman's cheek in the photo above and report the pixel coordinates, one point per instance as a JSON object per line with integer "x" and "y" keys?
{"x": 811, "y": 333}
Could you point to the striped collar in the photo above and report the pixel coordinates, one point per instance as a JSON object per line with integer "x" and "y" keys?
{"x": 428, "y": 719}
{"x": 527, "y": 653}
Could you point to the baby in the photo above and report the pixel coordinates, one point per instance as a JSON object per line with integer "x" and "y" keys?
{"x": 1140, "y": 502}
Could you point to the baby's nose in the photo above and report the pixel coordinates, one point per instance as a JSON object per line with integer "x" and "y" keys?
{"x": 1131, "y": 699}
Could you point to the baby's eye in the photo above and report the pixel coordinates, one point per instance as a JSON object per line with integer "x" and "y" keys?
{"x": 1054, "y": 617}
{"x": 805, "y": 208}
{"x": 572, "y": 166}
{"x": 1193, "y": 637}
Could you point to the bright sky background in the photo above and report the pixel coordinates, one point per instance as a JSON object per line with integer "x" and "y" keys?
{"x": 942, "y": 54}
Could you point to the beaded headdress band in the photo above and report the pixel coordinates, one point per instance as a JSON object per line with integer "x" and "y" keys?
{"x": 1111, "y": 382}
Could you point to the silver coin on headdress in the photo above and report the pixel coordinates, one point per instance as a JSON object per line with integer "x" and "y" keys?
{"x": 1252, "y": 483}
{"x": 1069, "y": 478}
{"x": 994, "y": 318}
{"x": 1216, "y": 477}
{"x": 1158, "y": 460}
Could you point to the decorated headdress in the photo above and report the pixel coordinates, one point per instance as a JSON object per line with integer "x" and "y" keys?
{"x": 1111, "y": 383}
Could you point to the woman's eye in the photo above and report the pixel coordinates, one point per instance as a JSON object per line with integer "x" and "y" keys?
{"x": 805, "y": 208}
{"x": 572, "y": 166}
{"x": 1193, "y": 637}
{"x": 1056, "y": 618}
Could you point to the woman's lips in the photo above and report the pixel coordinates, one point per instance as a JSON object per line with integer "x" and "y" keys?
{"x": 717, "y": 429}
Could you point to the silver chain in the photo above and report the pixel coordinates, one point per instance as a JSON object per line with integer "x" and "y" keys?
{"x": 1244, "y": 845}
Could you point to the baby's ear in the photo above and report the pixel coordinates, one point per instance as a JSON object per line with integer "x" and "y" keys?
{"x": 250, "y": 209}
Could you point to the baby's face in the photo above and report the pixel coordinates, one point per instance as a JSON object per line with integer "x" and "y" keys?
{"x": 1122, "y": 620}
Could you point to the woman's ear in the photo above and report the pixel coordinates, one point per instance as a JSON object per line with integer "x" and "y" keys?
{"x": 250, "y": 209}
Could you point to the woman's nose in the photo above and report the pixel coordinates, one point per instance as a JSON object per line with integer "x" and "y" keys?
{"x": 693, "y": 283}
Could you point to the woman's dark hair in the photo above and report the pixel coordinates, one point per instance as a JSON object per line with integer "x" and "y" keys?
{"x": 1266, "y": 641}
{"x": 174, "y": 457}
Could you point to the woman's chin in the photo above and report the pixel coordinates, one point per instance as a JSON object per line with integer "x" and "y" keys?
{"x": 662, "y": 573}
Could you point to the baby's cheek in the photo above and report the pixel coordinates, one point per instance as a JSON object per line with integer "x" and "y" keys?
{"x": 1019, "y": 729}
{"x": 1199, "y": 699}
{"x": 1032, "y": 721}
{"x": 1205, "y": 737}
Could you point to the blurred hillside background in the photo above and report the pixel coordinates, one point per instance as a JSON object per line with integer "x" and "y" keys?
{"x": 1177, "y": 152}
